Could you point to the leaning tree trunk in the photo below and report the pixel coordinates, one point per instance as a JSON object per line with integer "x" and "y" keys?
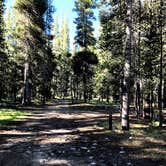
{"x": 126, "y": 74}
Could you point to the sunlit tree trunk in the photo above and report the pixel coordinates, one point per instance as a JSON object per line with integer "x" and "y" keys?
{"x": 26, "y": 89}
{"x": 127, "y": 61}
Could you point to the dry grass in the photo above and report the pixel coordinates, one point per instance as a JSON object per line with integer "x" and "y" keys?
{"x": 143, "y": 141}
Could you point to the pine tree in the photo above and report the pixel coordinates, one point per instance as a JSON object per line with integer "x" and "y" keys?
{"x": 3, "y": 57}
{"x": 65, "y": 35}
{"x": 47, "y": 65}
{"x": 137, "y": 27}
{"x": 150, "y": 57}
{"x": 32, "y": 18}
{"x": 84, "y": 30}
{"x": 62, "y": 56}
{"x": 56, "y": 36}
{"x": 160, "y": 95}
{"x": 11, "y": 50}
{"x": 110, "y": 40}
{"x": 85, "y": 39}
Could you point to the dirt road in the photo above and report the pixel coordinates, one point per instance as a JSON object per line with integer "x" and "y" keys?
{"x": 57, "y": 135}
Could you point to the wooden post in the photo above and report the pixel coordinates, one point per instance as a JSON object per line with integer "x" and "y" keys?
{"x": 110, "y": 117}
{"x": 110, "y": 120}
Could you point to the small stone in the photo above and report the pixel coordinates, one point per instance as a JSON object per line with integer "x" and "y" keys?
{"x": 122, "y": 152}
{"x": 52, "y": 154}
{"x": 84, "y": 148}
{"x": 91, "y": 157}
{"x": 10, "y": 144}
{"x": 129, "y": 164}
{"x": 28, "y": 152}
{"x": 73, "y": 149}
{"x": 93, "y": 163}
{"x": 107, "y": 139}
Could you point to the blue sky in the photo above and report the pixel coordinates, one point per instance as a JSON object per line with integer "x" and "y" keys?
{"x": 62, "y": 6}
{"x": 66, "y": 7}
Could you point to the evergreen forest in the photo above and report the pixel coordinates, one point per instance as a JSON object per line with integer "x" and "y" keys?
{"x": 110, "y": 78}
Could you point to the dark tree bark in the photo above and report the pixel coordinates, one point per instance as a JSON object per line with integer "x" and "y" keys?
{"x": 85, "y": 87}
{"x": 138, "y": 83}
{"x": 160, "y": 95}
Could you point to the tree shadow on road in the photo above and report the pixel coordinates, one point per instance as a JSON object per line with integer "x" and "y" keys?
{"x": 64, "y": 134}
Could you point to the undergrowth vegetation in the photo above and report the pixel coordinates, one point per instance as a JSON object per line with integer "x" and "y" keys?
{"x": 7, "y": 116}
{"x": 144, "y": 140}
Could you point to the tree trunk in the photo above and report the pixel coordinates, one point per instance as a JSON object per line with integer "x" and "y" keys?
{"x": 136, "y": 99}
{"x": 108, "y": 94}
{"x": 85, "y": 87}
{"x": 77, "y": 89}
{"x": 1, "y": 92}
{"x": 126, "y": 76}
{"x": 138, "y": 87}
{"x": 151, "y": 105}
{"x": 26, "y": 89}
{"x": 160, "y": 95}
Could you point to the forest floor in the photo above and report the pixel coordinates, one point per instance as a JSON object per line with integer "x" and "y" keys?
{"x": 62, "y": 134}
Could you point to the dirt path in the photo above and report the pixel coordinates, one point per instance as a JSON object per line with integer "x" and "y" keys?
{"x": 58, "y": 134}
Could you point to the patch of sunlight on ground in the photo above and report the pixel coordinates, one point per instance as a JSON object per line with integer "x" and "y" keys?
{"x": 60, "y": 131}
{"x": 155, "y": 150}
{"x": 138, "y": 132}
{"x": 82, "y": 105}
{"x": 154, "y": 155}
{"x": 9, "y": 115}
{"x": 58, "y": 162}
{"x": 59, "y": 139}
{"x": 134, "y": 142}
{"x": 138, "y": 126}
{"x": 89, "y": 128}
{"x": 15, "y": 132}
{"x": 154, "y": 140}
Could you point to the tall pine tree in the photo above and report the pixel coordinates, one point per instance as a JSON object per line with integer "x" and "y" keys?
{"x": 85, "y": 39}
{"x": 3, "y": 57}
{"x": 32, "y": 40}
{"x": 84, "y": 30}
